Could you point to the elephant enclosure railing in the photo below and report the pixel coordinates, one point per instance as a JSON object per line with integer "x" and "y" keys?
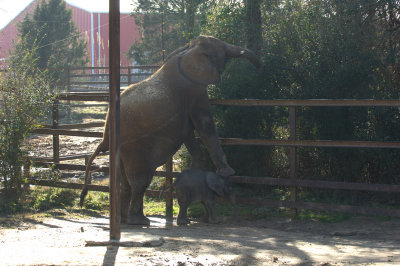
{"x": 292, "y": 182}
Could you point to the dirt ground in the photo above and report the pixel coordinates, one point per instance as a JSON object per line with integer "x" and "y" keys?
{"x": 271, "y": 241}
{"x": 275, "y": 241}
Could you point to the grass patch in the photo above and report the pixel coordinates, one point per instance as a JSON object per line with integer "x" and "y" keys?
{"x": 323, "y": 217}
{"x": 78, "y": 114}
{"x": 41, "y": 202}
{"x": 196, "y": 210}
{"x": 156, "y": 206}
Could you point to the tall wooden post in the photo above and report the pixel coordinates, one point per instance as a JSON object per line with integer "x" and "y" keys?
{"x": 68, "y": 89}
{"x": 168, "y": 183}
{"x": 129, "y": 75}
{"x": 114, "y": 111}
{"x": 56, "y": 138}
{"x": 292, "y": 155}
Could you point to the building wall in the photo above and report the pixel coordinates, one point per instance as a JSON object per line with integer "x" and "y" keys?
{"x": 93, "y": 28}
{"x": 9, "y": 34}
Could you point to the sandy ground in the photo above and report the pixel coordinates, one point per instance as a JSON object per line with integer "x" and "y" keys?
{"x": 272, "y": 241}
{"x": 275, "y": 241}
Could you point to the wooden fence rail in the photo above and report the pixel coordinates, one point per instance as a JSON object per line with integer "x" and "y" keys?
{"x": 292, "y": 182}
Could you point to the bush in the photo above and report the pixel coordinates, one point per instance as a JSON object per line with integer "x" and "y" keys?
{"x": 24, "y": 97}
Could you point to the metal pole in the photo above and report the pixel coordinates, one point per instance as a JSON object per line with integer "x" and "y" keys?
{"x": 169, "y": 164}
{"x": 114, "y": 111}
{"x": 162, "y": 31}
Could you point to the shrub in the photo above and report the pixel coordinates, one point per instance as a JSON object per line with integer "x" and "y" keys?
{"x": 24, "y": 97}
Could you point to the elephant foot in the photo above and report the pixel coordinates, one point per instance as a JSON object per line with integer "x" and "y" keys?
{"x": 182, "y": 221}
{"x": 226, "y": 171}
{"x": 138, "y": 220}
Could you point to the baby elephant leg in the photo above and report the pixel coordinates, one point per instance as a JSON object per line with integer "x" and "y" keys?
{"x": 206, "y": 216}
{"x": 182, "y": 216}
{"x": 210, "y": 207}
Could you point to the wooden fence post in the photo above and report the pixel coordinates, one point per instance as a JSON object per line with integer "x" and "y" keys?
{"x": 68, "y": 89}
{"x": 168, "y": 183}
{"x": 292, "y": 155}
{"x": 129, "y": 75}
{"x": 56, "y": 138}
{"x": 27, "y": 169}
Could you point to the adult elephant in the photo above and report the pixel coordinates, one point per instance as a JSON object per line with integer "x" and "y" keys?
{"x": 160, "y": 113}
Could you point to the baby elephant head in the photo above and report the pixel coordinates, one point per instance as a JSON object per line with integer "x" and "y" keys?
{"x": 219, "y": 184}
{"x": 222, "y": 187}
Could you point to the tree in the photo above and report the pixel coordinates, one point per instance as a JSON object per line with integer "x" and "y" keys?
{"x": 51, "y": 29}
{"x": 313, "y": 49}
{"x": 179, "y": 17}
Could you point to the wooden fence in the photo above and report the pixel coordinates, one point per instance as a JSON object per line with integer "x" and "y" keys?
{"x": 292, "y": 181}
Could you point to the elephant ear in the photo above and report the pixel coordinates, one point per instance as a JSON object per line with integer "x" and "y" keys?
{"x": 177, "y": 51}
{"x": 216, "y": 183}
{"x": 199, "y": 64}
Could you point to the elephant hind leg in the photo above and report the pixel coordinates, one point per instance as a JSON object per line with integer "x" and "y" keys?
{"x": 125, "y": 195}
{"x": 138, "y": 181}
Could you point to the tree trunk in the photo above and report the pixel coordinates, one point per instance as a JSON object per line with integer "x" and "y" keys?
{"x": 254, "y": 33}
{"x": 191, "y": 7}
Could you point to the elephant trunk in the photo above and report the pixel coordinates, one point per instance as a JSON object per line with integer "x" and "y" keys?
{"x": 234, "y": 51}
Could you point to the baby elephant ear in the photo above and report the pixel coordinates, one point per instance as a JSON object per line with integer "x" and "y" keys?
{"x": 216, "y": 183}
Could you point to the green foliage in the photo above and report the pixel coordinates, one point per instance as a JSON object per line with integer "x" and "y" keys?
{"x": 226, "y": 22}
{"x": 9, "y": 203}
{"x": 44, "y": 200}
{"x": 25, "y": 94}
{"x": 180, "y": 25}
{"x": 313, "y": 49}
{"x": 99, "y": 201}
{"x": 52, "y": 201}
{"x": 325, "y": 49}
{"x": 56, "y": 37}
{"x": 323, "y": 217}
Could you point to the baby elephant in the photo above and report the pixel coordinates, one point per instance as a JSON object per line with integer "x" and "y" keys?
{"x": 197, "y": 185}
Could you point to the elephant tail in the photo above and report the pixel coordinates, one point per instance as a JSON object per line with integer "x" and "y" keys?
{"x": 88, "y": 178}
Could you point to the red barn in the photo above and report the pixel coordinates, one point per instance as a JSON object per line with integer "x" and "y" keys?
{"x": 93, "y": 27}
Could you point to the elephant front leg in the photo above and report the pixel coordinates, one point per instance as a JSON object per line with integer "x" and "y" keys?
{"x": 206, "y": 216}
{"x": 204, "y": 125}
{"x": 212, "y": 219}
{"x": 193, "y": 148}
